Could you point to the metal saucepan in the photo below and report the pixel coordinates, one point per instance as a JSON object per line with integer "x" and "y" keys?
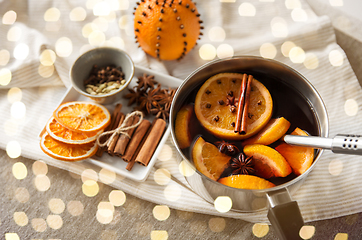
{"x": 283, "y": 212}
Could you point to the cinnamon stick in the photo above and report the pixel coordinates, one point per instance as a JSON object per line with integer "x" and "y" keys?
{"x": 114, "y": 119}
{"x": 150, "y": 144}
{"x": 246, "y": 106}
{"x": 136, "y": 139}
{"x": 133, "y": 159}
{"x": 113, "y": 142}
{"x": 241, "y": 102}
{"x": 123, "y": 140}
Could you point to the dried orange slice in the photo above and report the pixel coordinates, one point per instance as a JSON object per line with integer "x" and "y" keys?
{"x": 267, "y": 161}
{"x": 299, "y": 158}
{"x": 60, "y": 133}
{"x": 214, "y": 112}
{"x": 208, "y": 160}
{"x": 182, "y": 126}
{"x": 82, "y": 116}
{"x": 274, "y": 130}
{"x": 246, "y": 182}
{"x": 66, "y": 152}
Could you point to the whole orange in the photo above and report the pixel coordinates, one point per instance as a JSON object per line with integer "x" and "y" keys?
{"x": 167, "y": 29}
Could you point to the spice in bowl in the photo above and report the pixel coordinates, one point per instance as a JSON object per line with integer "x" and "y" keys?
{"x": 103, "y": 80}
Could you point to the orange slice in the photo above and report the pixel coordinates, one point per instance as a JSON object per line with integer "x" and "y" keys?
{"x": 267, "y": 161}
{"x": 246, "y": 182}
{"x": 214, "y": 113}
{"x": 208, "y": 160}
{"x": 182, "y": 131}
{"x": 274, "y": 130}
{"x": 82, "y": 116}
{"x": 299, "y": 158}
{"x": 60, "y": 133}
{"x": 66, "y": 152}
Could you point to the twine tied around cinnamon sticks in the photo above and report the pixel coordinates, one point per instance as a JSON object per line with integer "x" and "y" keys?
{"x": 121, "y": 130}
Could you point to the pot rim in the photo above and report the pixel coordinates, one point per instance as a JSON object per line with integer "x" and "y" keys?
{"x": 311, "y": 86}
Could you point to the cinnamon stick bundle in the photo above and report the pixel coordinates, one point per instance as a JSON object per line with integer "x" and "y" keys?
{"x": 151, "y": 142}
{"x": 111, "y": 126}
{"x": 136, "y": 139}
{"x": 113, "y": 142}
{"x": 123, "y": 140}
{"x": 243, "y": 104}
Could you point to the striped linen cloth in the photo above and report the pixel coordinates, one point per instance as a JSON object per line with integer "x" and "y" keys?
{"x": 252, "y": 28}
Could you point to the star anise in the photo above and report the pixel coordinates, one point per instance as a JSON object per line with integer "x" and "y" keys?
{"x": 230, "y": 101}
{"x": 149, "y": 100}
{"x": 161, "y": 111}
{"x": 134, "y": 95}
{"x": 166, "y": 96}
{"x": 146, "y": 81}
{"x": 242, "y": 164}
{"x": 227, "y": 148}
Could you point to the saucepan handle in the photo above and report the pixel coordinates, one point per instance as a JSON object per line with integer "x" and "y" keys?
{"x": 284, "y": 215}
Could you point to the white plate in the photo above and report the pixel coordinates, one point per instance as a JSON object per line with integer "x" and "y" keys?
{"x": 138, "y": 173}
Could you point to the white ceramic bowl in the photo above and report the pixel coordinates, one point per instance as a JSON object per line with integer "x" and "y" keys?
{"x": 101, "y": 57}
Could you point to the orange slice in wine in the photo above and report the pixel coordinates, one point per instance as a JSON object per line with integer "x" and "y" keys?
{"x": 182, "y": 126}
{"x": 274, "y": 130}
{"x": 299, "y": 158}
{"x": 246, "y": 182}
{"x": 208, "y": 159}
{"x": 215, "y": 106}
{"x": 267, "y": 161}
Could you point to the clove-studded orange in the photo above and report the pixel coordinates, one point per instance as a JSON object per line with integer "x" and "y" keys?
{"x": 167, "y": 29}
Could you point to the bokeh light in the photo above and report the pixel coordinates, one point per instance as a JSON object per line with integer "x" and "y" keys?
{"x": 9, "y": 17}
{"x": 335, "y": 58}
{"x": 117, "y": 197}
{"x": 223, "y": 204}
{"x": 351, "y": 107}
{"x": 224, "y": 51}
{"x": 46, "y": 71}
{"x": 13, "y": 149}
{"x": 11, "y": 236}
{"x": 54, "y": 221}
{"x": 47, "y": 57}
{"x": 292, "y": 4}
{"x": 335, "y": 167}
{"x": 40, "y": 168}
{"x": 336, "y": 3}
{"x": 5, "y": 76}
{"x": 161, "y": 212}
{"x": 247, "y": 9}
{"x": 89, "y": 174}
{"x": 159, "y": 235}
{"x": 90, "y": 188}
{"x": 186, "y": 169}
{"x": 56, "y": 205}
{"x": 14, "y": 34}
{"x": 105, "y": 212}
{"x": 21, "y": 51}
{"x": 260, "y": 229}
{"x": 107, "y": 176}
{"x": 20, "y": 218}
{"x": 19, "y": 170}
{"x": 341, "y": 236}
{"x": 172, "y": 192}
{"x": 52, "y": 15}
{"x": 77, "y": 14}
{"x": 299, "y": 15}
{"x": 311, "y": 61}
{"x": 75, "y": 208}
{"x": 42, "y": 183}
{"x": 217, "y": 224}
{"x": 18, "y": 110}
{"x": 101, "y": 8}
{"x": 14, "y": 94}
{"x": 217, "y": 34}
{"x": 4, "y": 57}
{"x": 279, "y": 27}
{"x": 39, "y": 224}
{"x": 63, "y": 47}
{"x": 162, "y": 176}
{"x": 22, "y": 195}
{"x": 165, "y": 153}
{"x": 307, "y": 232}
{"x": 297, "y": 55}
{"x": 268, "y": 50}
{"x": 207, "y": 52}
